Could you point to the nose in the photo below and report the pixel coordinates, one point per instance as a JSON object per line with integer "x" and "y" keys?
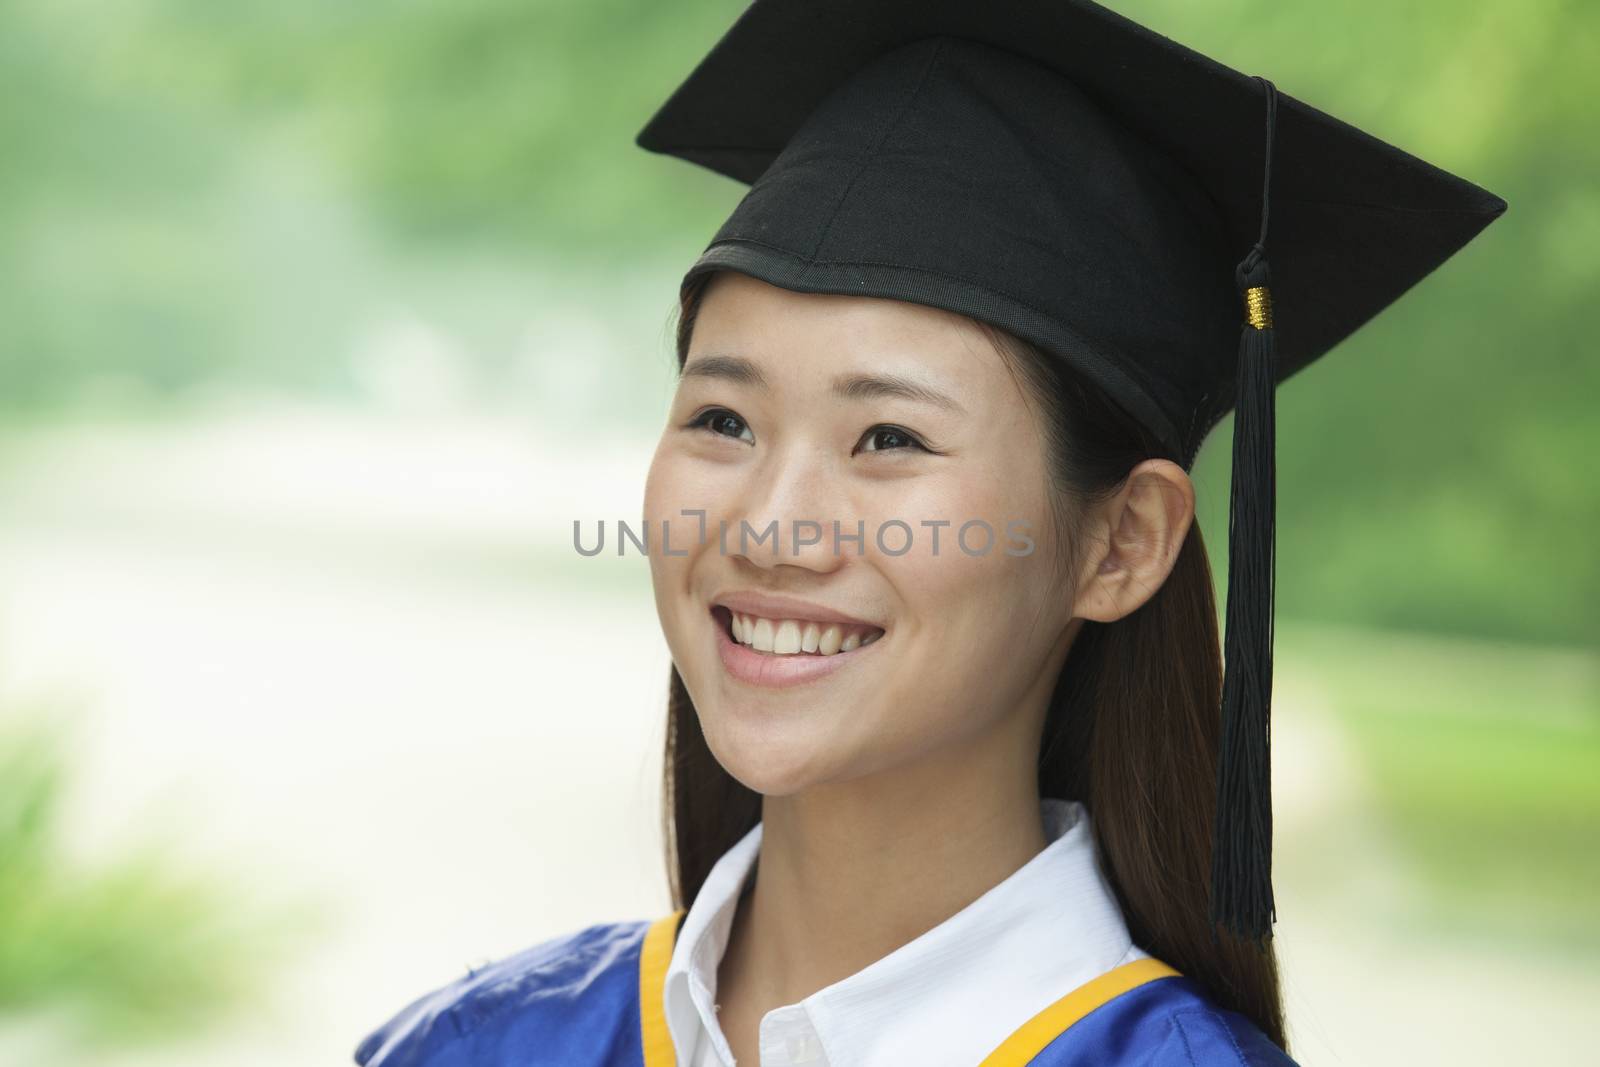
{"x": 784, "y": 510}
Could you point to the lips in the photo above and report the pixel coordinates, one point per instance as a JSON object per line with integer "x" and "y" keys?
{"x": 777, "y": 608}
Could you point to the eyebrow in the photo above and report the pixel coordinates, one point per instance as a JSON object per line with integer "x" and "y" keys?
{"x": 739, "y": 370}
{"x": 735, "y": 369}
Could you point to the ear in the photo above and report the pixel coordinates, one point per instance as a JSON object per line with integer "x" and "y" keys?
{"x": 1133, "y": 541}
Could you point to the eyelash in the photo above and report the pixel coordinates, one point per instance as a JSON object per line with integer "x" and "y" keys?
{"x": 704, "y": 418}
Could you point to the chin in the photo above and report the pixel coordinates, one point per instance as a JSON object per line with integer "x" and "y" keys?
{"x": 769, "y": 760}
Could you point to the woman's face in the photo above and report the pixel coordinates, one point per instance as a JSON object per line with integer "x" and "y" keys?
{"x": 796, "y": 406}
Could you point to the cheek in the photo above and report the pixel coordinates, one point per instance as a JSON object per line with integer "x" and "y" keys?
{"x": 980, "y": 626}
{"x": 664, "y": 498}
{"x": 965, "y": 605}
{"x": 680, "y": 481}
{"x": 662, "y": 486}
{"x": 982, "y": 632}
{"x": 674, "y": 485}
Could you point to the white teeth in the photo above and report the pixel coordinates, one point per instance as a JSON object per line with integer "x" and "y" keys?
{"x": 788, "y": 637}
{"x": 829, "y": 643}
{"x": 787, "y": 640}
{"x": 762, "y": 641}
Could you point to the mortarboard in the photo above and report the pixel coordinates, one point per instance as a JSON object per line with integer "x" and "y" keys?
{"x": 1057, "y": 170}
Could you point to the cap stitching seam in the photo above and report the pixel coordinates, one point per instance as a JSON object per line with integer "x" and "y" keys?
{"x": 1191, "y": 445}
{"x": 883, "y": 135}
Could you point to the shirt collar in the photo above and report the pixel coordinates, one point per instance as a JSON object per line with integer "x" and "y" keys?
{"x": 962, "y": 987}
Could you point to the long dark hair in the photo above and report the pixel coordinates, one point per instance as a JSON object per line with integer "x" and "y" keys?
{"x": 1132, "y": 734}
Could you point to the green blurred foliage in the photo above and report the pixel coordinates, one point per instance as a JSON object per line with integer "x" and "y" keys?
{"x": 133, "y": 949}
{"x": 200, "y": 192}
{"x": 1481, "y": 760}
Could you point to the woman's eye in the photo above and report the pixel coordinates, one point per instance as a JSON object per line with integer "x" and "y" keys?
{"x": 723, "y": 423}
{"x": 890, "y": 438}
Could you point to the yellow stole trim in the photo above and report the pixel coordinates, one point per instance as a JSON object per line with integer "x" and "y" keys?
{"x": 654, "y": 956}
{"x": 1015, "y": 1051}
{"x": 1021, "y": 1047}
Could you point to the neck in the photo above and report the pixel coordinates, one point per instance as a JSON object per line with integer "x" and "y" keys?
{"x": 851, "y": 871}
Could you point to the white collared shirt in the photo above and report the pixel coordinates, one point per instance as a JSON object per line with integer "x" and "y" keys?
{"x": 945, "y": 999}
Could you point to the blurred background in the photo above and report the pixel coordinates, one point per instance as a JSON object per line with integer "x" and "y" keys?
{"x": 321, "y": 321}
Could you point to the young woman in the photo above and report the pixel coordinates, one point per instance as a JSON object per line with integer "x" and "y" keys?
{"x": 910, "y": 876}
{"x": 954, "y": 773}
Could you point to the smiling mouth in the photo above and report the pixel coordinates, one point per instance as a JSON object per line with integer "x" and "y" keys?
{"x": 794, "y": 637}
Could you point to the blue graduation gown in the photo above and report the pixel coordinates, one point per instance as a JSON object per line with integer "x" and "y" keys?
{"x": 593, "y": 998}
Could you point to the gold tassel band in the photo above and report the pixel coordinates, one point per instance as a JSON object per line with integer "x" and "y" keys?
{"x": 1258, "y": 307}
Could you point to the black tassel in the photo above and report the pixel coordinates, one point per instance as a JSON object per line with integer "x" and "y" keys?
{"x": 1241, "y": 870}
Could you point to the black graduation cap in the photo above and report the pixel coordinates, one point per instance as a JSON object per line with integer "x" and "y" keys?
{"x": 1057, "y": 170}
